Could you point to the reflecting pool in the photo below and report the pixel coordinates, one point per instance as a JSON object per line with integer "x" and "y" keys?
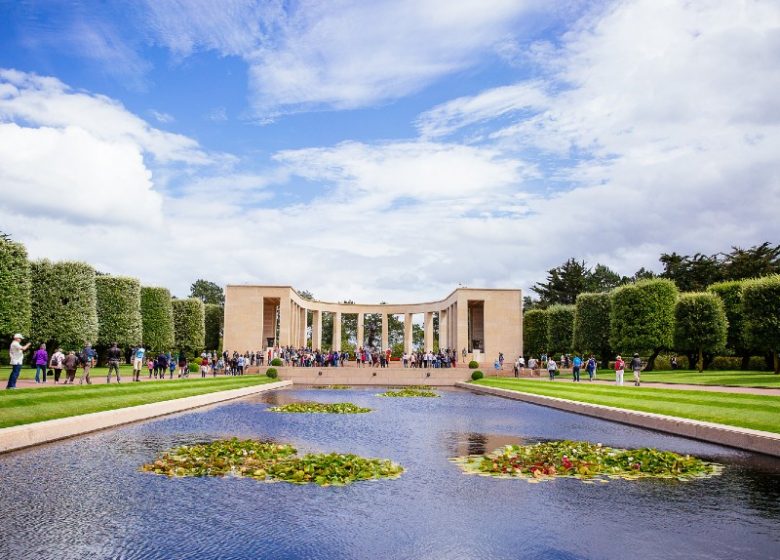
{"x": 85, "y": 498}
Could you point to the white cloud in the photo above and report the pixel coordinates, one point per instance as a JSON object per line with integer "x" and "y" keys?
{"x": 162, "y": 117}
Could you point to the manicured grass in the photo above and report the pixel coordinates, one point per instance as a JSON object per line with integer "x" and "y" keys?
{"x": 758, "y": 412}
{"x": 29, "y": 373}
{"x": 23, "y": 406}
{"x": 726, "y": 378}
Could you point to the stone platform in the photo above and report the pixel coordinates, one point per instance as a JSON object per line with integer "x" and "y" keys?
{"x": 351, "y": 375}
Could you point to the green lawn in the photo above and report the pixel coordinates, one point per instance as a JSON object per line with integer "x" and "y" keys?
{"x": 759, "y": 412}
{"x": 23, "y": 406}
{"x": 725, "y": 378}
{"x": 29, "y": 373}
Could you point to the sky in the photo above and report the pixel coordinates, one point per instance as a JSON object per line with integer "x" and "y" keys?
{"x": 386, "y": 150}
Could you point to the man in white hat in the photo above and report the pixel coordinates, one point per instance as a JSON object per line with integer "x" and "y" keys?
{"x": 16, "y": 352}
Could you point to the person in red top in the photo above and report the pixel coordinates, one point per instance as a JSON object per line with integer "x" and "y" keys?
{"x": 620, "y": 367}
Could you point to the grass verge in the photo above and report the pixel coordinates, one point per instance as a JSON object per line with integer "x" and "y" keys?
{"x": 692, "y": 377}
{"x": 758, "y": 412}
{"x": 23, "y": 406}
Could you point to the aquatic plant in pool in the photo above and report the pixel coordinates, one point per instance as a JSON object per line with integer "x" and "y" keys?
{"x": 270, "y": 462}
{"x": 337, "y": 387}
{"x": 586, "y": 461}
{"x": 407, "y": 392}
{"x": 320, "y": 408}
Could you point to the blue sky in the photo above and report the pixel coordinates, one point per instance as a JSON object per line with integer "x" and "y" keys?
{"x": 385, "y": 150}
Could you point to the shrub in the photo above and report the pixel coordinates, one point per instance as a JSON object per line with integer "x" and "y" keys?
{"x": 473, "y": 364}
{"x": 760, "y": 304}
{"x": 591, "y": 325}
{"x": 188, "y": 324}
{"x": 198, "y": 360}
{"x": 15, "y": 289}
{"x": 700, "y": 325}
{"x": 641, "y": 317}
{"x": 271, "y": 373}
{"x": 476, "y": 374}
{"x": 731, "y": 295}
{"x": 193, "y": 367}
{"x": 535, "y": 332}
{"x": 119, "y": 310}
{"x": 214, "y": 315}
{"x": 64, "y": 302}
{"x": 277, "y": 362}
{"x": 157, "y": 317}
{"x": 560, "y": 326}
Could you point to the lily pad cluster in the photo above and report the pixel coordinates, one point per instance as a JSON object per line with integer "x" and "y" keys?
{"x": 320, "y": 408}
{"x": 269, "y": 462}
{"x": 332, "y": 387}
{"x": 586, "y": 461}
{"x": 408, "y": 392}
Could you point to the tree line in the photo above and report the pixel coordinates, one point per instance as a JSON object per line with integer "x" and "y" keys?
{"x": 737, "y": 317}
{"x": 68, "y": 304}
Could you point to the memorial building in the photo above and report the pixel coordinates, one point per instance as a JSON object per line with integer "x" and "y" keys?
{"x": 484, "y": 322}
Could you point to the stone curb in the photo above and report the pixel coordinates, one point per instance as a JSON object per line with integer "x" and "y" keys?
{"x": 730, "y": 436}
{"x": 27, "y": 435}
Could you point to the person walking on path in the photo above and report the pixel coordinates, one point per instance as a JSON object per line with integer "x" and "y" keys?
{"x": 620, "y": 367}
{"x": 184, "y": 368}
{"x": 56, "y": 364}
{"x": 636, "y": 366}
{"x": 551, "y": 368}
{"x": 114, "y": 355}
{"x": 71, "y": 362}
{"x": 138, "y": 362}
{"x": 41, "y": 363}
{"x": 16, "y": 352}
{"x": 87, "y": 361}
{"x": 576, "y": 364}
{"x": 591, "y": 367}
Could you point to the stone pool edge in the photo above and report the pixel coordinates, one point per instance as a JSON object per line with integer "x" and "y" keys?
{"x": 758, "y": 441}
{"x": 37, "y": 433}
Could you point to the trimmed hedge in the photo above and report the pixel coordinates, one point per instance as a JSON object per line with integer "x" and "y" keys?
{"x": 473, "y": 364}
{"x": 157, "y": 317}
{"x": 189, "y": 324}
{"x": 214, "y": 316}
{"x": 119, "y": 310}
{"x": 760, "y": 306}
{"x": 731, "y": 295}
{"x": 15, "y": 289}
{"x": 535, "y": 332}
{"x": 64, "y": 303}
{"x": 591, "y": 324}
{"x": 277, "y": 362}
{"x": 700, "y": 324}
{"x": 271, "y": 373}
{"x": 560, "y": 328}
{"x": 642, "y": 317}
{"x": 476, "y": 374}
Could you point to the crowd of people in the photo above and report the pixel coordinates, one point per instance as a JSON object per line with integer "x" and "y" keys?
{"x": 576, "y": 363}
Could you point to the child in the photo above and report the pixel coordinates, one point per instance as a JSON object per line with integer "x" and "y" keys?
{"x": 150, "y": 365}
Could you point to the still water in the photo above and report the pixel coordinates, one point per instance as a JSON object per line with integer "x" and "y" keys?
{"x": 84, "y": 498}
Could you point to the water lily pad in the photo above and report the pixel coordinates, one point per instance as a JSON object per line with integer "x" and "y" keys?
{"x": 585, "y": 461}
{"x": 320, "y": 408}
{"x": 408, "y": 392}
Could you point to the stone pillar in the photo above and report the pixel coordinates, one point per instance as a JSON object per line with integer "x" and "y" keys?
{"x": 336, "y": 345}
{"x": 443, "y": 329}
{"x": 316, "y": 330}
{"x": 463, "y": 328}
{"x": 408, "y": 340}
{"x": 285, "y": 318}
{"x": 303, "y": 326}
{"x": 385, "y": 334}
{"x": 361, "y": 335}
{"x": 428, "y": 330}
{"x": 294, "y": 317}
{"x": 261, "y": 319}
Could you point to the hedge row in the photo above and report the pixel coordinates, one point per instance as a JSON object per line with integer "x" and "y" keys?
{"x": 119, "y": 310}
{"x": 157, "y": 316}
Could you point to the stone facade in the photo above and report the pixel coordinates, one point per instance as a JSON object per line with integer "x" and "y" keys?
{"x": 483, "y": 321}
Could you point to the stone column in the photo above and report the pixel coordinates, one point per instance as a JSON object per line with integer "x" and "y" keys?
{"x": 408, "y": 341}
{"x": 463, "y": 328}
{"x": 261, "y": 318}
{"x": 294, "y": 317}
{"x": 336, "y": 346}
{"x": 443, "y": 329}
{"x": 316, "y": 330}
{"x": 360, "y": 330}
{"x": 385, "y": 334}
{"x": 303, "y": 326}
{"x": 285, "y": 318}
{"x": 428, "y": 330}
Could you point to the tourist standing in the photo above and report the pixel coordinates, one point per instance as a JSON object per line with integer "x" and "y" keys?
{"x": 114, "y": 355}
{"x": 56, "y": 364}
{"x": 552, "y": 367}
{"x": 576, "y": 364}
{"x": 620, "y": 367}
{"x": 138, "y": 362}
{"x": 184, "y": 368}
{"x": 87, "y": 361}
{"x": 591, "y": 367}
{"x": 70, "y": 363}
{"x": 41, "y": 362}
{"x": 636, "y": 366}
{"x": 16, "y": 352}
{"x": 464, "y": 355}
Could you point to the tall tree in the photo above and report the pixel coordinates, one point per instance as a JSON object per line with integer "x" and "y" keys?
{"x": 157, "y": 317}
{"x": 213, "y": 319}
{"x": 560, "y": 327}
{"x": 189, "y": 325}
{"x": 603, "y": 279}
{"x": 591, "y": 325}
{"x": 207, "y": 292}
{"x": 15, "y": 289}
{"x": 761, "y": 309}
{"x": 691, "y": 273}
{"x": 563, "y": 283}
{"x": 535, "y": 332}
{"x": 119, "y": 311}
{"x": 730, "y": 293}
{"x": 760, "y": 260}
{"x": 700, "y": 326}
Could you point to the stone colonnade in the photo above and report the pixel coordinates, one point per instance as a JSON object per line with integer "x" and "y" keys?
{"x": 482, "y": 321}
